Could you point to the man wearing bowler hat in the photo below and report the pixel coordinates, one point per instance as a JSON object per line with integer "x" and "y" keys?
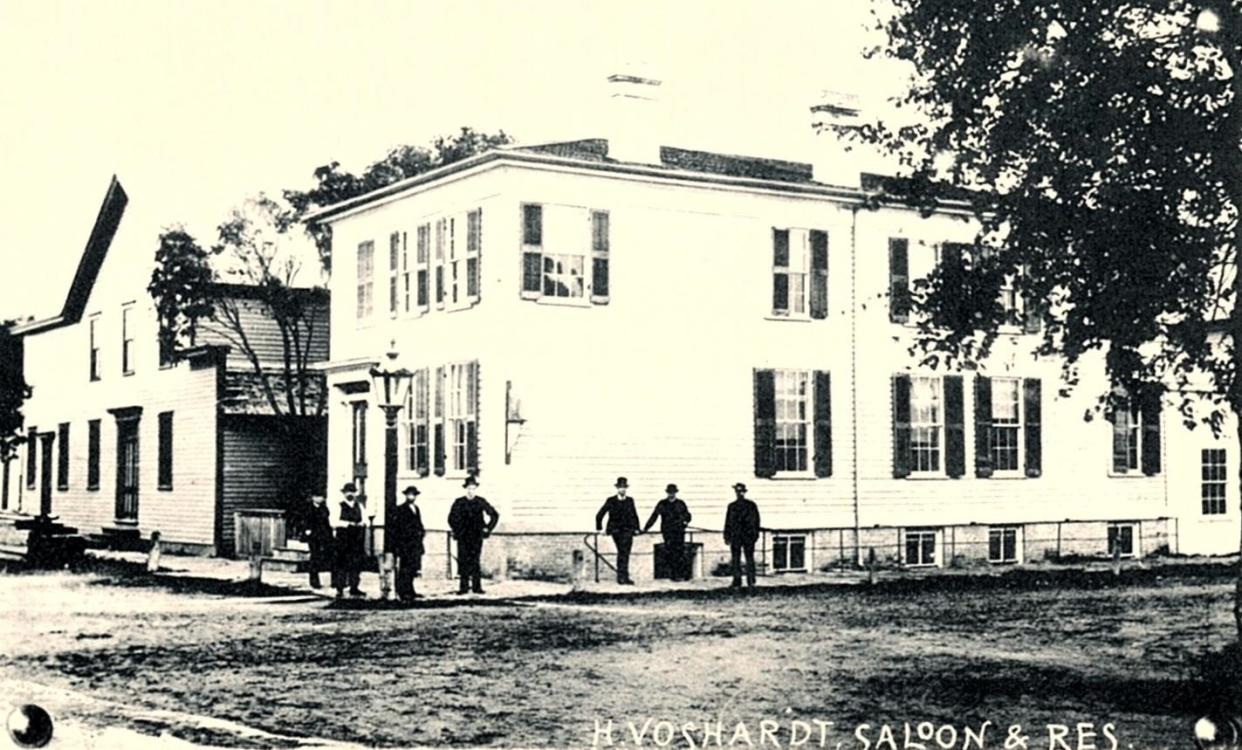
{"x": 407, "y": 543}
{"x": 741, "y": 531}
{"x": 622, "y": 526}
{"x": 674, "y": 518}
{"x": 351, "y": 545}
{"x": 466, "y": 519}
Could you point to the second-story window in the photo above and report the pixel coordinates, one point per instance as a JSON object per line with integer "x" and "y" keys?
{"x": 406, "y": 290}
{"x": 94, "y": 334}
{"x": 800, "y": 273}
{"x": 1136, "y": 436}
{"x": 474, "y": 250}
{"x": 423, "y": 258}
{"x": 366, "y": 279}
{"x": 394, "y": 269}
{"x": 127, "y": 342}
{"x": 441, "y": 231}
{"x": 558, "y": 245}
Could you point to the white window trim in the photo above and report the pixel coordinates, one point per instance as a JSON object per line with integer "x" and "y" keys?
{"x": 586, "y": 253}
{"x": 1136, "y": 541}
{"x": 1020, "y": 471}
{"x": 1137, "y": 472}
{"x": 364, "y": 288}
{"x": 809, "y": 472}
{"x": 937, "y": 535}
{"x": 798, "y": 238}
{"x": 1018, "y": 534}
{"x": 807, "y": 564}
{"x": 128, "y": 355}
{"x": 450, "y": 416}
{"x": 942, "y": 471}
{"x": 1224, "y": 513}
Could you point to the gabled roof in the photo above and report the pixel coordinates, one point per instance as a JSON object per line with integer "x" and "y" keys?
{"x": 106, "y": 223}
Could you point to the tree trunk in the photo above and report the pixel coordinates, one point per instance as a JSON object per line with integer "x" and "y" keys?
{"x": 1231, "y": 33}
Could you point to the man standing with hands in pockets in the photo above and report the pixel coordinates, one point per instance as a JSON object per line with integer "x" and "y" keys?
{"x": 622, "y": 526}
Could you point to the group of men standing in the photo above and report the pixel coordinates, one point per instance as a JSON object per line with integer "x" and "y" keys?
{"x": 741, "y": 531}
{"x": 341, "y": 546}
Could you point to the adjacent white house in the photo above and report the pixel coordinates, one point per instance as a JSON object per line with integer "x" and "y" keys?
{"x": 578, "y": 311}
{"x": 124, "y": 443}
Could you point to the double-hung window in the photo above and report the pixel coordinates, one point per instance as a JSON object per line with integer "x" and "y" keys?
{"x": 1005, "y": 432}
{"x": 407, "y": 290}
{"x": 793, "y": 423}
{"x": 394, "y": 270}
{"x": 417, "y": 420}
{"x": 560, "y": 244}
{"x": 1214, "y": 477}
{"x": 474, "y": 248}
{"x": 441, "y": 232}
{"x": 127, "y": 341}
{"x": 454, "y": 264}
{"x": 926, "y": 424}
{"x": 423, "y": 258}
{"x": 365, "y": 280}
{"x": 800, "y": 273}
{"x": 1136, "y": 436}
{"x": 455, "y": 433}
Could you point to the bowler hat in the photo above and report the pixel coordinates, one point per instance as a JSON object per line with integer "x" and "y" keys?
{"x": 410, "y": 490}
{"x": 739, "y": 487}
{"x": 622, "y": 482}
{"x": 470, "y": 481}
{"x": 349, "y": 487}
{"x": 671, "y": 488}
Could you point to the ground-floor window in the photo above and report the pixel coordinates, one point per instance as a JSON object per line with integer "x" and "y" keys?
{"x": 1121, "y": 537}
{"x": 920, "y": 547}
{"x": 1214, "y": 476}
{"x": 788, "y": 552}
{"x": 1003, "y": 544}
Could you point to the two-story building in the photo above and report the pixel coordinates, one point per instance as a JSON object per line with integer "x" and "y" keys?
{"x": 579, "y": 311}
{"x": 123, "y": 441}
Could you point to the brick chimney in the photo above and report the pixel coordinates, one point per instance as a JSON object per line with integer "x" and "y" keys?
{"x": 633, "y": 125}
{"x": 837, "y": 159}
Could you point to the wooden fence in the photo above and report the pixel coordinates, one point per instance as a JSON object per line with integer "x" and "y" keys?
{"x": 265, "y": 528}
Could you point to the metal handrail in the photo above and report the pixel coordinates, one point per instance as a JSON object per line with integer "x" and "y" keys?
{"x": 594, "y": 547}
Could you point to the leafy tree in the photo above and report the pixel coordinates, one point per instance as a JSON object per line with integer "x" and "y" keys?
{"x": 193, "y": 296}
{"x": 1101, "y": 139}
{"x": 333, "y": 184}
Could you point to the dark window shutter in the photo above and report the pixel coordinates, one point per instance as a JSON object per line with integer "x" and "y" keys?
{"x": 423, "y": 384}
{"x": 62, "y": 456}
{"x": 600, "y": 242}
{"x": 165, "y": 450}
{"x": 437, "y": 428}
{"x": 599, "y": 280}
{"x": 1032, "y": 414}
{"x": 823, "y": 424}
{"x": 780, "y": 247}
{"x": 899, "y": 280}
{"x": 1121, "y": 437}
{"x": 1150, "y": 412}
{"x": 32, "y": 436}
{"x": 901, "y": 426}
{"x": 819, "y": 274}
{"x": 532, "y": 224}
{"x": 780, "y": 292}
{"x": 472, "y": 427}
{"x": 983, "y": 426}
{"x": 954, "y": 427}
{"x": 92, "y": 455}
{"x": 532, "y": 274}
{"x": 765, "y": 423}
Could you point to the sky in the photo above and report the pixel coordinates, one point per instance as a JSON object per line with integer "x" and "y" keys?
{"x": 196, "y": 105}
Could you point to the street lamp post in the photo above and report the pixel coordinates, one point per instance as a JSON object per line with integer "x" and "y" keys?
{"x": 391, "y": 384}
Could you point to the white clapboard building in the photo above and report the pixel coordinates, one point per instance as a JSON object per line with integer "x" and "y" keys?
{"x": 578, "y": 311}
{"x": 122, "y": 442}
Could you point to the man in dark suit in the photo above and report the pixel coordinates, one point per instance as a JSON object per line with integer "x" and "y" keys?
{"x": 407, "y": 543}
{"x": 622, "y": 526}
{"x": 317, "y": 530}
{"x": 741, "y": 531}
{"x": 351, "y": 535}
{"x": 466, "y": 519}
{"x": 674, "y": 518}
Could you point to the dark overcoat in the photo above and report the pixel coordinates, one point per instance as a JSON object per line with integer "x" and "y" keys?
{"x": 741, "y": 522}
{"x": 622, "y": 516}
{"x": 407, "y": 531}
{"x": 466, "y": 517}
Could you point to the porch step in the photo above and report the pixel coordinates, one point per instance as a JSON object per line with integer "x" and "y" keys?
{"x": 283, "y": 564}
{"x": 121, "y": 539}
{"x": 292, "y": 554}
